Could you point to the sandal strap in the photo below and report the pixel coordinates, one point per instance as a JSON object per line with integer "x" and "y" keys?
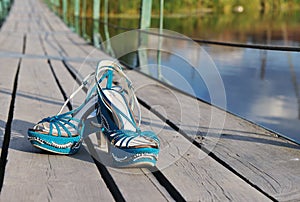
{"x": 126, "y": 138}
{"x": 59, "y": 122}
{"x": 120, "y": 136}
{"x": 67, "y": 121}
{"x": 109, "y": 67}
{"x": 83, "y": 84}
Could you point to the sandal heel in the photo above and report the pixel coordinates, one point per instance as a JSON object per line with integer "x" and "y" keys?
{"x": 102, "y": 142}
{"x": 128, "y": 145}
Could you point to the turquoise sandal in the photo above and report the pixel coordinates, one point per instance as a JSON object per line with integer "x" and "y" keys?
{"x": 62, "y": 133}
{"x": 110, "y": 110}
{"x": 128, "y": 145}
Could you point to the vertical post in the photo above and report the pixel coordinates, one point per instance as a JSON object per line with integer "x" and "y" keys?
{"x": 96, "y": 34}
{"x": 7, "y": 2}
{"x": 96, "y": 18}
{"x": 1, "y": 12}
{"x": 77, "y": 30}
{"x": 65, "y": 11}
{"x": 83, "y": 11}
{"x": 83, "y": 19}
{"x": 145, "y": 22}
{"x": 52, "y": 5}
{"x": 161, "y": 16}
{"x": 145, "y": 14}
{"x": 57, "y": 3}
{"x": 77, "y": 15}
{"x": 77, "y": 8}
{"x": 5, "y": 5}
{"x": 108, "y": 47}
{"x": 96, "y": 9}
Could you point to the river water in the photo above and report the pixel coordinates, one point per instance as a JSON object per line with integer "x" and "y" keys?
{"x": 262, "y": 86}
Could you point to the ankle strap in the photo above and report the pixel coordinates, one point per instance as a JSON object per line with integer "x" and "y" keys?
{"x": 84, "y": 82}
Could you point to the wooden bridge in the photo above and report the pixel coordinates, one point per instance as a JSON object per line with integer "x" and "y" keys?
{"x": 40, "y": 63}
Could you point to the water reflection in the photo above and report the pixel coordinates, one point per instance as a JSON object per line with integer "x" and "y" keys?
{"x": 261, "y": 86}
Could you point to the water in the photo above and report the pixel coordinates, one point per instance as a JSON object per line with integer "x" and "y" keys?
{"x": 264, "y": 87}
{"x": 261, "y": 86}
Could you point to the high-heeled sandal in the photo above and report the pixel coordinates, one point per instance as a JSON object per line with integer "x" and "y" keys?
{"x": 128, "y": 145}
{"x": 62, "y": 133}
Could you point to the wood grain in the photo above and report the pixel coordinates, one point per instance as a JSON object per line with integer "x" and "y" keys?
{"x": 36, "y": 175}
{"x": 267, "y": 161}
{"x": 265, "y": 165}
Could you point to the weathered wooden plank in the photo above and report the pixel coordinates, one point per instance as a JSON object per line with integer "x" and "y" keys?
{"x": 136, "y": 185}
{"x": 13, "y": 14}
{"x": 180, "y": 156}
{"x": 191, "y": 191}
{"x": 51, "y": 19}
{"x": 268, "y": 162}
{"x": 187, "y": 183}
{"x": 196, "y": 175}
{"x": 186, "y": 169}
{"x": 20, "y": 16}
{"x": 62, "y": 39}
{"x": 201, "y": 116}
{"x": 133, "y": 184}
{"x": 40, "y": 19}
{"x": 67, "y": 40}
{"x": 129, "y": 181}
{"x": 30, "y": 173}
{"x": 8, "y": 67}
{"x": 11, "y": 43}
{"x": 68, "y": 47}
{"x": 35, "y": 175}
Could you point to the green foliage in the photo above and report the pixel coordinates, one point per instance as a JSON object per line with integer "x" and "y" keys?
{"x": 131, "y": 8}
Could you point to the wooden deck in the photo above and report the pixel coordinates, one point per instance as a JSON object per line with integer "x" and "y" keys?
{"x": 39, "y": 60}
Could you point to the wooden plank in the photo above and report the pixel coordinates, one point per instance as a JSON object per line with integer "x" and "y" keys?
{"x": 134, "y": 184}
{"x": 11, "y": 43}
{"x": 30, "y": 173}
{"x": 67, "y": 40}
{"x": 196, "y": 192}
{"x": 190, "y": 185}
{"x": 186, "y": 124}
{"x": 190, "y": 192}
{"x": 62, "y": 39}
{"x": 129, "y": 181}
{"x": 53, "y": 172}
{"x": 51, "y": 19}
{"x": 11, "y": 18}
{"x": 268, "y": 162}
{"x": 197, "y": 176}
{"x": 35, "y": 175}
{"x": 21, "y": 16}
{"x": 8, "y": 67}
